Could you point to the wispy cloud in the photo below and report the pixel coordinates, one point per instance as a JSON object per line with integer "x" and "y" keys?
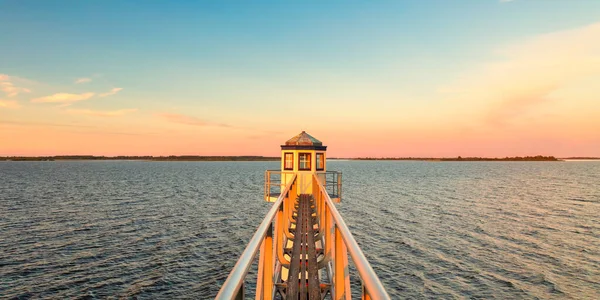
{"x": 188, "y": 120}
{"x": 9, "y": 88}
{"x": 102, "y": 113}
{"x": 64, "y": 98}
{"x": 82, "y": 80}
{"x": 9, "y": 104}
{"x": 529, "y": 72}
{"x": 73, "y": 127}
{"x": 25, "y": 123}
{"x": 505, "y": 1}
{"x": 110, "y": 93}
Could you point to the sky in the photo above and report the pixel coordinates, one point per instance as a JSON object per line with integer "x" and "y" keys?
{"x": 368, "y": 78}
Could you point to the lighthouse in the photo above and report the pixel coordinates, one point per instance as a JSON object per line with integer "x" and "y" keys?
{"x": 304, "y": 156}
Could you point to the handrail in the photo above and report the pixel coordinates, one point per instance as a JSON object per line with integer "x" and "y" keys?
{"x": 237, "y": 275}
{"x": 370, "y": 280}
{"x": 269, "y": 184}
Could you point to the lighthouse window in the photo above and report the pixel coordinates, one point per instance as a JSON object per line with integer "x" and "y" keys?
{"x": 288, "y": 163}
{"x": 320, "y": 161}
{"x": 304, "y": 161}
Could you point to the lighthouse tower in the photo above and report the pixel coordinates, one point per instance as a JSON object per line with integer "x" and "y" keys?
{"x": 303, "y": 153}
{"x": 303, "y": 156}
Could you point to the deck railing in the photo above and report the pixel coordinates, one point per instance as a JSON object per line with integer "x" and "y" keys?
{"x": 338, "y": 241}
{"x": 332, "y": 182}
{"x": 275, "y": 182}
{"x": 233, "y": 288}
{"x": 334, "y": 236}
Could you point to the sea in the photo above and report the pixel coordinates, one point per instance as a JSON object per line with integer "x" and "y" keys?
{"x": 174, "y": 230}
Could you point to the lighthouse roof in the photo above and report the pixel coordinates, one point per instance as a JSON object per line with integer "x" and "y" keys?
{"x": 303, "y": 141}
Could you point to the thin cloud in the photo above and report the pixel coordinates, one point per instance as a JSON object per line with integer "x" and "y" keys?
{"x": 8, "y": 87}
{"x": 183, "y": 119}
{"x": 189, "y": 120}
{"x": 530, "y": 72}
{"x": 110, "y": 93}
{"x": 79, "y": 128}
{"x": 102, "y": 113}
{"x": 506, "y": 1}
{"x": 21, "y": 123}
{"x": 9, "y": 104}
{"x": 83, "y": 80}
{"x": 194, "y": 121}
{"x": 64, "y": 98}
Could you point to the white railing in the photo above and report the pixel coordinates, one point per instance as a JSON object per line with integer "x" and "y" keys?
{"x": 233, "y": 288}
{"x": 335, "y": 238}
{"x": 338, "y": 241}
{"x": 276, "y": 180}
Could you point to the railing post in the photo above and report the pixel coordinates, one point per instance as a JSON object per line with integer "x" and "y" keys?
{"x": 264, "y": 284}
{"x": 342, "y": 280}
{"x": 280, "y": 226}
{"x": 322, "y": 225}
{"x": 294, "y": 189}
{"x": 266, "y": 193}
{"x": 329, "y": 232}
{"x": 340, "y": 186}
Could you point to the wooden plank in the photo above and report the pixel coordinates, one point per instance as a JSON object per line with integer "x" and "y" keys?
{"x": 292, "y": 282}
{"x": 313, "y": 274}
{"x": 303, "y": 281}
{"x": 303, "y": 260}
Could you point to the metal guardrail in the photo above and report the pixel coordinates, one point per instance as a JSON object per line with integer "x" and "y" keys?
{"x": 275, "y": 181}
{"x": 372, "y": 287}
{"x": 232, "y": 288}
{"x": 332, "y": 181}
{"x": 335, "y": 237}
{"x": 274, "y": 186}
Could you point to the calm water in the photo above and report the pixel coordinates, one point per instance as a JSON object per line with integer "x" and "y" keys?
{"x": 175, "y": 229}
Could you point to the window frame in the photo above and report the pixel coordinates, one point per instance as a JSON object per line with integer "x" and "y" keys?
{"x": 309, "y": 161}
{"x": 285, "y": 154}
{"x": 322, "y": 155}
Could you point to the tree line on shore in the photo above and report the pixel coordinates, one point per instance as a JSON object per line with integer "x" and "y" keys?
{"x": 152, "y": 158}
{"x": 459, "y": 158}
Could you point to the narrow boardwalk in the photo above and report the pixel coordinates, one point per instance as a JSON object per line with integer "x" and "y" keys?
{"x": 303, "y": 267}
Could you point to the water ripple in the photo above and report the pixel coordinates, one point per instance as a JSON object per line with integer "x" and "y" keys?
{"x": 147, "y": 230}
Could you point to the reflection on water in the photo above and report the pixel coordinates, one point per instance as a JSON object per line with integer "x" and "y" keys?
{"x": 175, "y": 229}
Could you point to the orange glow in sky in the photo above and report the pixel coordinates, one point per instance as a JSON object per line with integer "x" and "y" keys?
{"x": 529, "y": 89}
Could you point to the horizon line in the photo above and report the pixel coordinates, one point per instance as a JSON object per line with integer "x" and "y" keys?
{"x": 277, "y": 157}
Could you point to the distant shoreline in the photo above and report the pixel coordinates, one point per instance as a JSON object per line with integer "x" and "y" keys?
{"x": 276, "y": 158}
{"x": 459, "y": 158}
{"x": 140, "y": 158}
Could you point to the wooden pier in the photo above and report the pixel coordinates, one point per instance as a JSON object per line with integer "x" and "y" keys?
{"x": 302, "y": 243}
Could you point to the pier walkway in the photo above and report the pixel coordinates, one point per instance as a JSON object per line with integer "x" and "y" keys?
{"x": 303, "y": 267}
{"x": 303, "y": 243}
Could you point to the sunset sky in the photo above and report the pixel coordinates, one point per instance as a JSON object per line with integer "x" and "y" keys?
{"x": 368, "y": 78}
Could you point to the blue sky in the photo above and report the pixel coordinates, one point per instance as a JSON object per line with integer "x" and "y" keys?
{"x": 230, "y": 61}
{"x": 267, "y": 39}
